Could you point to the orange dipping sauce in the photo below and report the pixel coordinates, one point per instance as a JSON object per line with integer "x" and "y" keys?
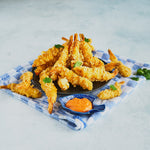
{"x": 79, "y": 105}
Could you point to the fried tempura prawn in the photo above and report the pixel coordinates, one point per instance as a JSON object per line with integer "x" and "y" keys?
{"x": 24, "y": 88}
{"x": 70, "y": 48}
{"x": 63, "y": 83}
{"x": 63, "y": 57}
{"x": 40, "y": 68}
{"x": 51, "y": 55}
{"x": 110, "y": 93}
{"x": 61, "y": 61}
{"x": 82, "y": 38}
{"x": 26, "y": 79}
{"x": 95, "y": 74}
{"x": 89, "y": 59}
{"x": 50, "y": 91}
{"x": 28, "y": 92}
{"x": 76, "y": 56}
{"x": 110, "y": 66}
{"x": 123, "y": 70}
{"x": 49, "y": 88}
{"x": 73, "y": 78}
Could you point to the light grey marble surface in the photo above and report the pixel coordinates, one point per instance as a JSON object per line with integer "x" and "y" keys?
{"x": 28, "y": 27}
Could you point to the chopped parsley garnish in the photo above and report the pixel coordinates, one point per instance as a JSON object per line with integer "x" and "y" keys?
{"x": 144, "y": 72}
{"x": 135, "y": 78}
{"x": 86, "y": 40}
{"x": 77, "y": 64}
{"x": 147, "y": 76}
{"x": 47, "y": 80}
{"x": 113, "y": 87}
{"x": 140, "y": 72}
{"x": 59, "y": 46}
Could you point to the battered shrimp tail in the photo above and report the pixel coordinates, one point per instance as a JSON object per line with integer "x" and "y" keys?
{"x": 81, "y": 37}
{"x": 107, "y": 75}
{"x": 50, "y": 106}
{"x": 110, "y": 66}
{"x": 122, "y": 82}
{"x": 65, "y": 39}
{"x": 5, "y": 87}
{"x": 113, "y": 58}
{"x": 123, "y": 70}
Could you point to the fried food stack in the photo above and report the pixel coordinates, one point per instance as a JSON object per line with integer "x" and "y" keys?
{"x": 70, "y": 63}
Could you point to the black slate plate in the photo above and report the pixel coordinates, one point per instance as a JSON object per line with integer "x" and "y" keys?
{"x": 72, "y": 90}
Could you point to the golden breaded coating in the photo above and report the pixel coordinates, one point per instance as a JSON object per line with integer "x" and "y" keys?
{"x": 123, "y": 70}
{"x": 89, "y": 59}
{"x": 93, "y": 62}
{"x": 63, "y": 57}
{"x": 65, "y": 39}
{"x": 26, "y": 79}
{"x": 73, "y": 78}
{"x": 75, "y": 52}
{"x": 82, "y": 38}
{"x": 110, "y": 93}
{"x": 70, "y": 49}
{"x": 63, "y": 83}
{"x": 95, "y": 74}
{"x": 28, "y": 92}
{"x": 92, "y": 47}
{"x": 110, "y": 66}
{"x": 75, "y": 56}
{"x": 40, "y": 68}
{"x": 24, "y": 88}
{"x": 61, "y": 61}
{"x": 50, "y": 91}
{"x": 51, "y": 55}
{"x": 70, "y": 63}
{"x": 46, "y": 71}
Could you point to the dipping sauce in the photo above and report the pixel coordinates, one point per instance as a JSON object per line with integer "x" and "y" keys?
{"x": 79, "y": 105}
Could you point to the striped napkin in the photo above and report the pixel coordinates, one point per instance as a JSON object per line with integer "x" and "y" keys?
{"x": 73, "y": 121}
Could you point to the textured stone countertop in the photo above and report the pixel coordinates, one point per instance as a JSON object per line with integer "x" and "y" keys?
{"x": 28, "y": 27}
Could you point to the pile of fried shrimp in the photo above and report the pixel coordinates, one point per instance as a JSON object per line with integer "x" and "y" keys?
{"x": 70, "y": 63}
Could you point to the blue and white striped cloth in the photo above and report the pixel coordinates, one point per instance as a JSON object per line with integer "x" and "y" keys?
{"x": 74, "y": 121}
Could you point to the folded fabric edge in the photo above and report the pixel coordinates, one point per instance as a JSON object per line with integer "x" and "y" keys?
{"x": 111, "y": 107}
{"x": 76, "y": 123}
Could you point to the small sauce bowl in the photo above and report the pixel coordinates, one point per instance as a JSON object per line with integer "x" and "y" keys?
{"x": 95, "y": 108}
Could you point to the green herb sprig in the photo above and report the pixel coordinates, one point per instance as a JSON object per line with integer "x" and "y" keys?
{"x": 144, "y": 72}
{"x": 113, "y": 87}
{"x": 86, "y": 40}
{"x": 59, "y": 46}
{"x": 135, "y": 78}
{"x": 77, "y": 64}
{"x": 47, "y": 80}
